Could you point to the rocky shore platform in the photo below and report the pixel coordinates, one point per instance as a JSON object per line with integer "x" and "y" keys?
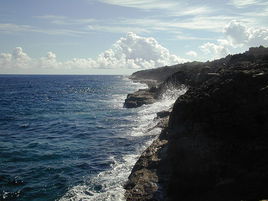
{"x": 214, "y": 143}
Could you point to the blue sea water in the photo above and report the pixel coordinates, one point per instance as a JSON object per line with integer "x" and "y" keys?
{"x": 68, "y": 137}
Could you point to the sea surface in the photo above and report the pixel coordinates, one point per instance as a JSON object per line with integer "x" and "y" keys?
{"x": 68, "y": 137}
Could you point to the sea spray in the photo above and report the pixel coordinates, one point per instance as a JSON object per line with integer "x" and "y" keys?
{"x": 108, "y": 185}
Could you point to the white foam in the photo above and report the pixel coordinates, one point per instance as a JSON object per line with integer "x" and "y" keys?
{"x": 118, "y": 99}
{"x": 111, "y": 182}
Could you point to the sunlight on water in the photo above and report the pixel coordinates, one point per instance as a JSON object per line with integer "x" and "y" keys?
{"x": 69, "y": 138}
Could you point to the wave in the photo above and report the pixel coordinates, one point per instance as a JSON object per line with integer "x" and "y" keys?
{"x": 108, "y": 185}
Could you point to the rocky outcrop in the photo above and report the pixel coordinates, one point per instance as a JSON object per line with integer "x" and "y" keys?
{"x": 162, "y": 114}
{"x": 145, "y": 182}
{"x": 215, "y": 146}
{"x": 140, "y": 97}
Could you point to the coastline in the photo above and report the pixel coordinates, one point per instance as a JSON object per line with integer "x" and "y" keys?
{"x": 213, "y": 145}
{"x": 147, "y": 181}
{"x": 148, "y": 178}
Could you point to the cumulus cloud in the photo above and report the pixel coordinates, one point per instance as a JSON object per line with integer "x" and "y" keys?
{"x": 17, "y": 59}
{"x": 238, "y": 37}
{"x": 49, "y": 61}
{"x": 5, "y": 59}
{"x": 129, "y": 52}
{"x": 191, "y": 54}
{"x": 134, "y": 51}
{"x": 239, "y": 34}
{"x": 216, "y": 50}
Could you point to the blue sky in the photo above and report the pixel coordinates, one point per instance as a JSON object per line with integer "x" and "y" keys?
{"x": 123, "y": 36}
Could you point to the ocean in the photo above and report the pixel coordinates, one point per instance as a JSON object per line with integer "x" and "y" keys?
{"x": 68, "y": 137}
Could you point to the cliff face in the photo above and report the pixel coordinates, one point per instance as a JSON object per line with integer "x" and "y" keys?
{"x": 218, "y": 144}
{"x": 215, "y": 146}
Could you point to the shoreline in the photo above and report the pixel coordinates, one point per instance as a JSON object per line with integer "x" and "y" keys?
{"x": 213, "y": 145}
{"x": 144, "y": 182}
{"x": 147, "y": 181}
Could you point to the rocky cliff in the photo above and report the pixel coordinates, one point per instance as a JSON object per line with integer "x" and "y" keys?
{"x": 215, "y": 144}
{"x": 159, "y": 79}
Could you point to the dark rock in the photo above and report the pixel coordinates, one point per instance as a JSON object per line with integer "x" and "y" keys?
{"x": 218, "y": 144}
{"x": 215, "y": 146}
{"x": 144, "y": 182}
{"x": 139, "y": 98}
{"x": 162, "y": 114}
{"x": 161, "y": 74}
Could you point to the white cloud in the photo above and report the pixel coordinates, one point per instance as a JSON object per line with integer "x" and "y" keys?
{"x": 246, "y": 3}
{"x": 129, "y": 52}
{"x": 191, "y": 54}
{"x": 193, "y": 19}
{"x": 50, "y": 61}
{"x": 7, "y": 28}
{"x": 5, "y": 59}
{"x": 11, "y": 28}
{"x": 242, "y": 3}
{"x": 236, "y": 32}
{"x": 215, "y": 50}
{"x": 258, "y": 37}
{"x": 117, "y": 29}
{"x": 238, "y": 38}
{"x": 135, "y": 51}
{"x": 20, "y": 58}
{"x": 210, "y": 23}
{"x": 64, "y": 20}
{"x": 17, "y": 59}
{"x": 171, "y": 7}
{"x": 142, "y": 4}
{"x": 191, "y": 11}
{"x": 239, "y": 34}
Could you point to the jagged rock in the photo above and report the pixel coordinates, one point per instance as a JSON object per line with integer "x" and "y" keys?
{"x": 139, "y": 98}
{"x": 215, "y": 146}
{"x": 144, "y": 182}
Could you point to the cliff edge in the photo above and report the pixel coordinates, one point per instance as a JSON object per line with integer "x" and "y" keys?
{"x": 215, "y": 145}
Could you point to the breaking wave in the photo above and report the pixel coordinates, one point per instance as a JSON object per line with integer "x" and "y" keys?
{"x": 108, "y": 185}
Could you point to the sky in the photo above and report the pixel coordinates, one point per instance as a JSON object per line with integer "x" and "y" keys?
{"x": 124, "y": 36}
